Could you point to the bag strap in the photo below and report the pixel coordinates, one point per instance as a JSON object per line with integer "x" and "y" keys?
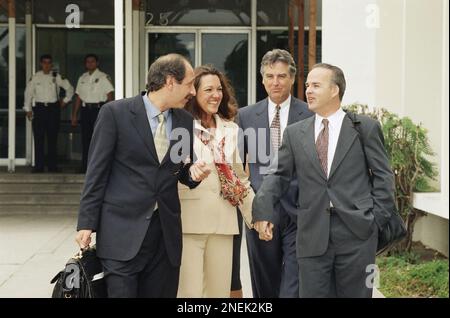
{"x": 357, "y": 126}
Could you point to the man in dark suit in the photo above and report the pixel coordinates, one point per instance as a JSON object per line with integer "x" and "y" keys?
{"x": 140, "y": 148}
{"x": 273, "y": 265}
{"x": 341, "y": 208}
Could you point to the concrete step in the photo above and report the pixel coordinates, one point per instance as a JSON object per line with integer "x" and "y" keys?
{"x": 22, "y": 209}
{"x": 39, "y": 199}
{"x": 40, "y": 178}
{"x": 40, "y": 188}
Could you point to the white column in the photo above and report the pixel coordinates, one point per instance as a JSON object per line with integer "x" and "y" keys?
{"x": 118, "y": 48}
{"x": 29, "y": 72}
{"x": 252, "y": 61}
{"x": 142, "y": 48}
{"x": 12, "y": 90}
{"x": 135, "y": 51}
{"x": 129, "y": 48}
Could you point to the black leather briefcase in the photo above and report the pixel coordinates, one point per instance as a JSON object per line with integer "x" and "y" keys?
{"x": 82, "y": 277}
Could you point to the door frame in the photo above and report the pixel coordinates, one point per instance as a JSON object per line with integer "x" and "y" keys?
{"x": 198, "y": 31}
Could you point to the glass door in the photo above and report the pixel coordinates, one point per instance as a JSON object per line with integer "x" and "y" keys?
{"x": 21, "y": 127}
{"x": 226, "y": 50}
{"x": 229, "y": 53}
{"x": 68, "y": 48}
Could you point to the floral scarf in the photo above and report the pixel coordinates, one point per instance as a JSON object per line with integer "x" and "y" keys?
{"x": 231, "y": 188}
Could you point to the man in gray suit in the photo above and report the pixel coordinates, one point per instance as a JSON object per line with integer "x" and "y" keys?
{"x": 273, "y": 265}
{"x": 130, "y": 196}
{"x": 341, "y": 207}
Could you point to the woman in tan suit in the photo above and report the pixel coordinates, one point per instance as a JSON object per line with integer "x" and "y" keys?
{"x": 209, "y": 212}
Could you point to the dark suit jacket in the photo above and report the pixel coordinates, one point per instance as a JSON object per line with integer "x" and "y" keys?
{"x": 124, "y": 180}
{"x": 254, "y": 117}
{"x": 348, "y": 186}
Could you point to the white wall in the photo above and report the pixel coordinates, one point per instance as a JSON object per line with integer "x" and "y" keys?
{"x": 398, "y": 60}
{"x": 348, "y": 41}
{"x": 437, "y": 238}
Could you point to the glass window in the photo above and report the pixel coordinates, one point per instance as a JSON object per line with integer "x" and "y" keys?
{"x": 268, "y": 40}
{"x": 164, "y": 43}
{"x": 229, "y": 53}
{"x": 20, "y": 12}
{"x": 91, "y": 12}
{"x": 198, "y": 12}
{"x": 68, "y": 59}
{"x": 4, "y": 93}
{"x": 275, "y": 13}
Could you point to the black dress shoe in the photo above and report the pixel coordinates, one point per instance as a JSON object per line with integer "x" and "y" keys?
{"x": 54, "y": 170}
{"x": 35, "y": 170}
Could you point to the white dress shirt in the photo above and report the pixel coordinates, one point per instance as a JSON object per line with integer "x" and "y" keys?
{"x": 44, "y": 88}
{"x": 334, "y": 129}
{"x": 284, "y": 113}
{"x": 94, "y": 88}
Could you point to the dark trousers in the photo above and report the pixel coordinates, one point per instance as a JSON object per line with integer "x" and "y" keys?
{"x": 46, "y": 124}
{"x": 149, "y": 274}
{"x": 346, "y": 270}
{"x": 236, "y": 270}
{"x": 273, "y": 264}
{"x": 88, "y": 118}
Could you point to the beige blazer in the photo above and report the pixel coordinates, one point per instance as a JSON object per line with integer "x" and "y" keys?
{"x": 203, "y": 210}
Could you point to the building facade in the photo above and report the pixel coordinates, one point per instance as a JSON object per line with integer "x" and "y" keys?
{"x": 233, "y": 35}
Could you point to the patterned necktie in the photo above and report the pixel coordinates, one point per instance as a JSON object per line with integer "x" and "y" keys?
{"x": 161, "y": 142}
{"x": 322, "y": 146}
{"x": 275, "y": 131}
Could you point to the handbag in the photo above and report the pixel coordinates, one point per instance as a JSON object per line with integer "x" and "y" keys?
{"x": 394, "y": 230}
{"x": 82, "y": 277}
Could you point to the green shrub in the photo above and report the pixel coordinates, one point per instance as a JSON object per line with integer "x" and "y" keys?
{"x": 400, "y": 278}
{"x": 409, "y": 152}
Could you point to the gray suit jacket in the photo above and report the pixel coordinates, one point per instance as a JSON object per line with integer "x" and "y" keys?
{"x": 348, "y": 187}
{"x": 124, "y": 180}
{"x": 255, "y": 117}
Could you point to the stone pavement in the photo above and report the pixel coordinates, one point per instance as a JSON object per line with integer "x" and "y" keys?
{"x": 34, "y": 248}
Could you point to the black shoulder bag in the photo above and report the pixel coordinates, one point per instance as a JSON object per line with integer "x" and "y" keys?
{"x": 394, "y": 230}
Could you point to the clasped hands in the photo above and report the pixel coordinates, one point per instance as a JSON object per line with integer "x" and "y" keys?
{"x": 264, "y": 229}
{"x": 199, "y": 171}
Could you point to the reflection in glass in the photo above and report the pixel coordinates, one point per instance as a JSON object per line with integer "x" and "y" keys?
{"x": 229, "y": 53}
{"x": 275, "y": 13}
{"x": 268, "y": 40}
{"x": 91, "y": 12}
{"x": 20, "y": 11}
{"x": 4, "y": 90}
{"x": 198, "y": 12}
{"x": 164, "y": 43}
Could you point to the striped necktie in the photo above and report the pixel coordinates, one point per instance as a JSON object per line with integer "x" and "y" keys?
{"x": 322, "y": 146}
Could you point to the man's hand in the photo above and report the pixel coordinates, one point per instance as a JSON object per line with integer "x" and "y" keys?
{"x": 199, "y": 171}
{"x": 30, "y": 115}
{"x": 83, "y": 238}
{"x": 62, "y": 104}
{"x": 265, "y": 230}
{"x": 74, "y": 121}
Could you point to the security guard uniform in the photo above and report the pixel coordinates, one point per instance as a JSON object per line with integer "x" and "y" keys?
{"x": 43, "y": 89}
{"x": 92, "y": 90}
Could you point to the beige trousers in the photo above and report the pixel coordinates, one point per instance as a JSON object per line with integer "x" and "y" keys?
{"x": 206, "y": 266}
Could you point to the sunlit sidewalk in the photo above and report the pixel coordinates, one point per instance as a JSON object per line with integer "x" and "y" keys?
{"x": 34, "y": 248}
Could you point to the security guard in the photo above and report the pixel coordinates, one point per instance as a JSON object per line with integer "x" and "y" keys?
{"x": 43, "y": 88}
{"x": 94, "y": 89}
